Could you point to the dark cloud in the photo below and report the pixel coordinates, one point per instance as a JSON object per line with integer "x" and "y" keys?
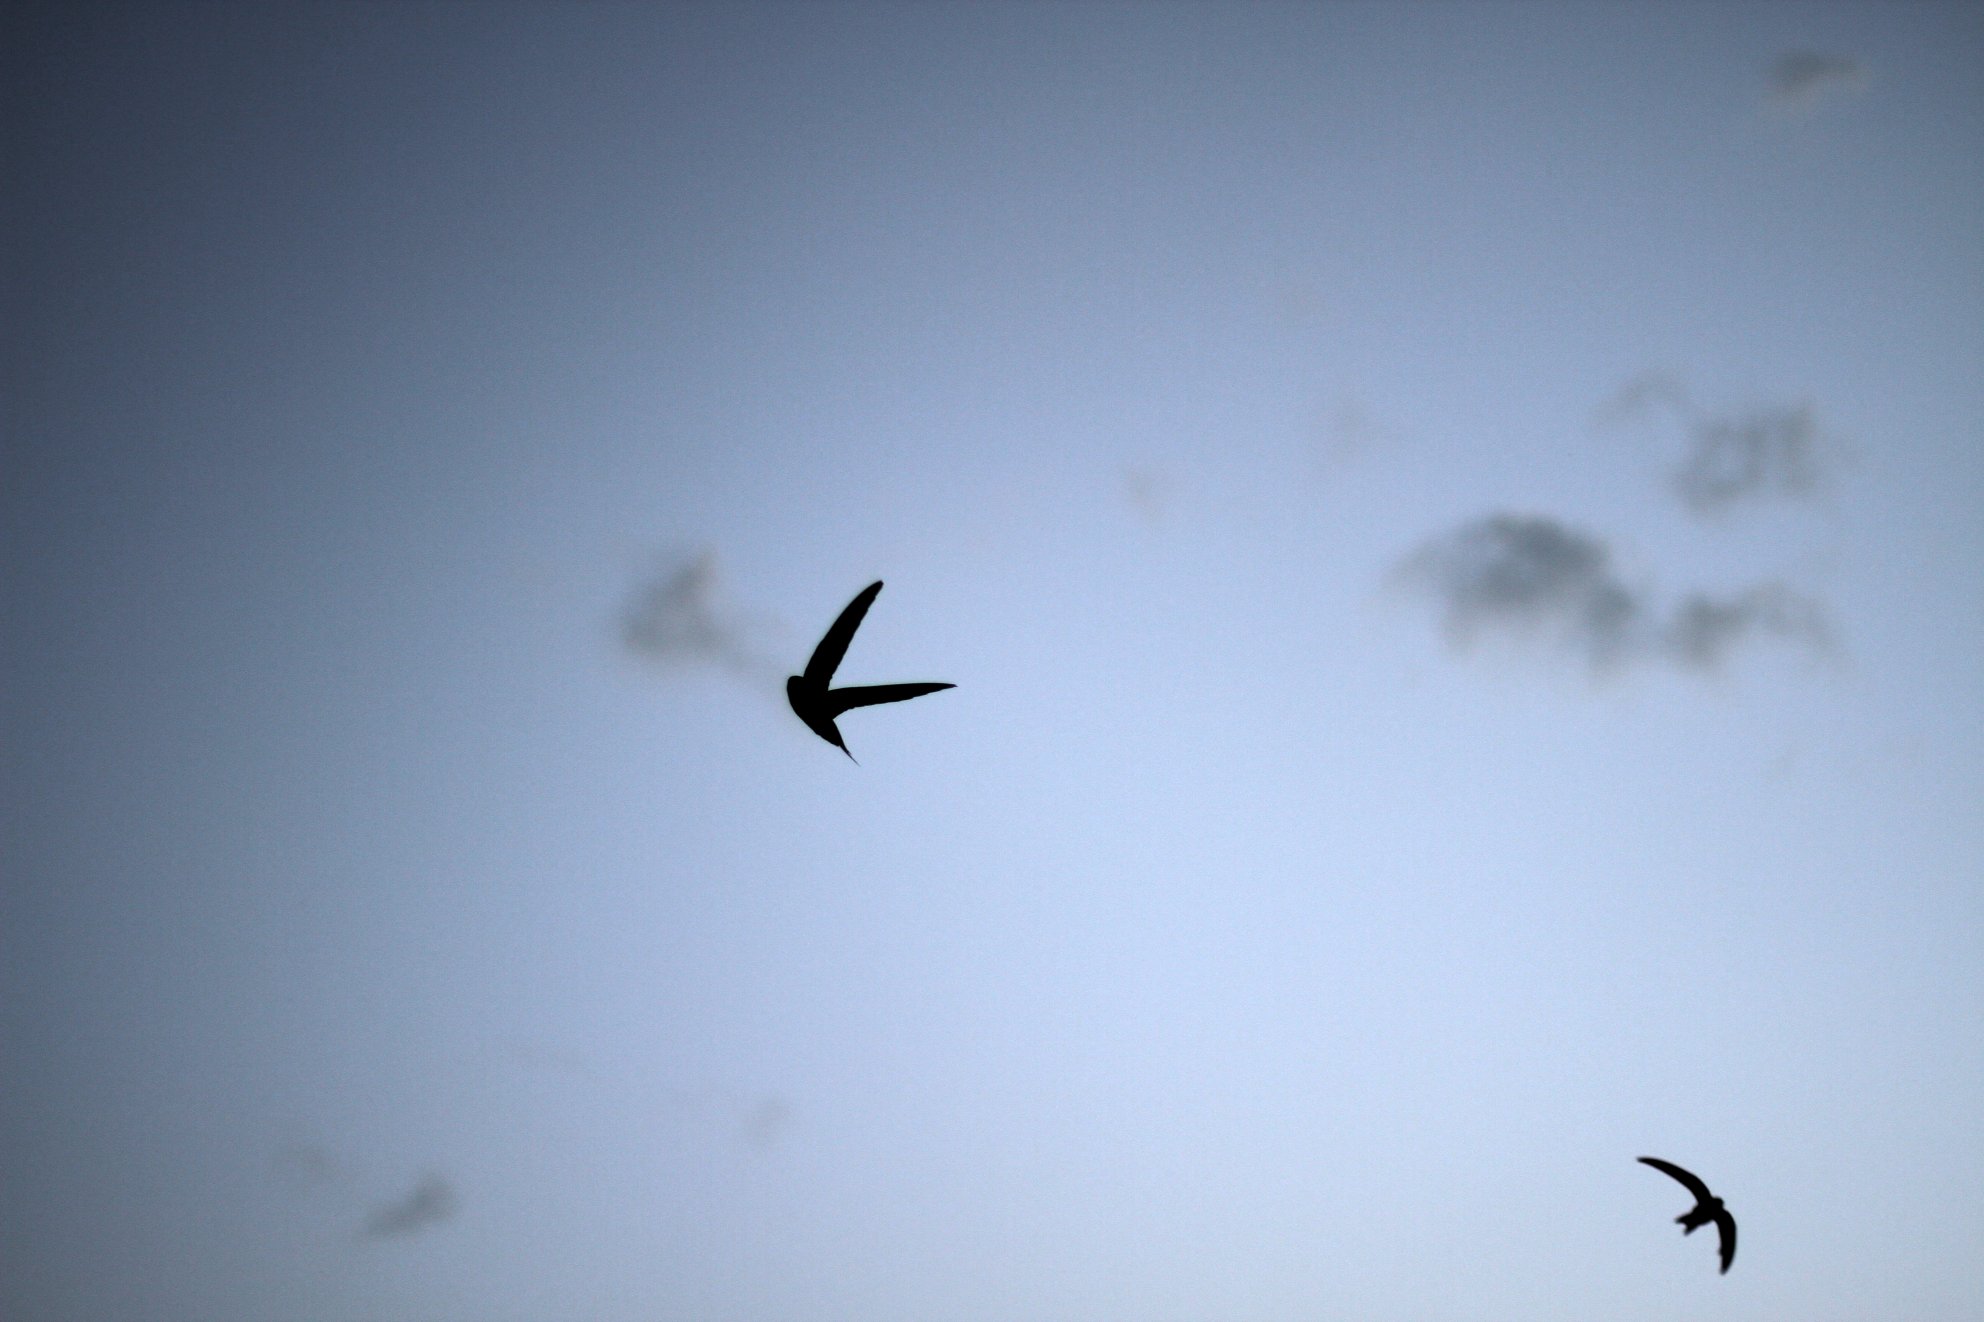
{"x": 676, "y": 618}
{"x": 1801, "y": 79}
{"x": 431, "y": 1202}
{"x": 1530, "y": 576}
{"x": 1532, "y": 579}
{"x": 1770, "y": 452}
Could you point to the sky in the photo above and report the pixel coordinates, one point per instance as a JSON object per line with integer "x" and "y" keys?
{"x": 1456, "y": 533}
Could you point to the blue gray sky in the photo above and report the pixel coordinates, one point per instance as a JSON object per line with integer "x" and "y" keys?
{"x": 1456, "y": 529}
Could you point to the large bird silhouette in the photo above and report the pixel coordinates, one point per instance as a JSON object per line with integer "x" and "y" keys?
{"x": 816, "y": 704}
{"x": 1707, "y": 1208}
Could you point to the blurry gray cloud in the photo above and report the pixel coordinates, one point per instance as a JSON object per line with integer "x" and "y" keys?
{"x": 1643, "y": 393}
{"x": 1801, "y": 79}
{"x": 1347, "y": 431}
{"x": 714, "y": 1110}
{"x": 1533, "y": 579}
{"x": 1531, "y": 576}
{"x": 677, "y": 618}
{"x": 1775, "y": 451}
{"x": 1704, "y": 630}
{"x": 1768, "y": 452}
{"x": 431, "y": 1202}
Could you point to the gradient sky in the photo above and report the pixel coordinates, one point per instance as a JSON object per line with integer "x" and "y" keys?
{"x": 1457, "y": 530}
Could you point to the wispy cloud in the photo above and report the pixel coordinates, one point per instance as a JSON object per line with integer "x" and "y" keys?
{"x": 1531, "y": 579}
{"x": 1647, "y": 391}
{"x": 432, "y": 1201}
{"x": 1704, "y": 630}
{"x": 677, "y": 618}
{"x": 1767, "y": 452}
{"x": 1799, "y": 80}
{"x": 1770, "y": 452}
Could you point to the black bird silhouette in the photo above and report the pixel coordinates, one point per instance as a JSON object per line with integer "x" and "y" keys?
{"x": 816, "y": 704}
{"x": 1707, "y": 1208}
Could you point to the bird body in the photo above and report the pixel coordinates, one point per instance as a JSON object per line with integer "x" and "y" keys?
{"x": 817, "y": 704}
{"x": 1707, "y": 1208}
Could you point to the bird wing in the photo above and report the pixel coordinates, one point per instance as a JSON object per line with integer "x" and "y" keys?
{"x": 867, "y": 695}
{"x": 1695, "y": 1186}
{"x": 826, "y": 657}
{"x": 1725, "y": 1226}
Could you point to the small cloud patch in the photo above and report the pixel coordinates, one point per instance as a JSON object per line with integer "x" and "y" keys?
{"x": 1532, "y": 577}
{"x": 1704, "y": 630}
{"x": 678, "y": 618}
{"x": 1769, "y": 453}
{"x": 1772, "y": 452}
{"x": 432, "y": 1201}
{"x": 1800, "y": 80}
{"x": 300, "y": 1166}
{"x": 1533, "y": 580}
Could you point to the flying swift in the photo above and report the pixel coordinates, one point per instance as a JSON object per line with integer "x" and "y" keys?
{"x": 816, "y": 704}
{"x": 1707, "y": 1208}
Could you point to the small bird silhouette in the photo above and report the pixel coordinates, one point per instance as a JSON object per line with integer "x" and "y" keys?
{"x": 816, "y": 704}
{"x": 1707, "y": 1208}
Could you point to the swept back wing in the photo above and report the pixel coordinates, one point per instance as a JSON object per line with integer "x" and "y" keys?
{"x": 826, "y": 657}
{"x": 1695, "y": 1186}
{"x": 868, "y": 695}
{"x": 1725, "y": 1226}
